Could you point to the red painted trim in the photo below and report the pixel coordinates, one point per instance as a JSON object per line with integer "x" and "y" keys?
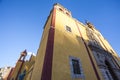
{"x": 20, "y": 61}
{"x": 9, "y": 76}
{"x": 47, "y": 65}
{"x": 19, "y": 70}
{"x": 53, "y": 18}
{"x": 93, "y": 64}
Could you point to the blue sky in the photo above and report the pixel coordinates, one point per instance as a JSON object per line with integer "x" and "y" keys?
{"x": 22, "y": 21}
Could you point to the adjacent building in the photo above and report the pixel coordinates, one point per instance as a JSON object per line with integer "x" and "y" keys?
{"x": 23, "y": 68}
{"x": 71, "y": 50}
{"x": 4, "y": 72}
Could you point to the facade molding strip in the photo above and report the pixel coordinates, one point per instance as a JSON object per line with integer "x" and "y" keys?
{"x": 47, "y": 65}
{"x": 93, "y": 64}
{"x": 22, "y": 62}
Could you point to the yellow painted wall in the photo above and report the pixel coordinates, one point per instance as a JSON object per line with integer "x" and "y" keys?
{"x": 29, "y": 75}
{"x": 36, "y": 75}
{"x": 28, "y": 66}
{"x": 69, "y": 44}
{"x": 86, "y": 39}
{"x": 15, "y": 71}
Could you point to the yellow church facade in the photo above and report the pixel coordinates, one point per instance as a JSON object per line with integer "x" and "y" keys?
{"x": 71, "y": 50}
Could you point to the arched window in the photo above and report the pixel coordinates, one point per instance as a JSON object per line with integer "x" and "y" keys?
{"x": 67, "y": 13}
{"x": 61, "y": 9}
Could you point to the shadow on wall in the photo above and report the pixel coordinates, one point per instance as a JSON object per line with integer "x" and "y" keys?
{"x": 108, "y": 62}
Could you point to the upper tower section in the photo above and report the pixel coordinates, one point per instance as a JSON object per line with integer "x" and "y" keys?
{"x": 23, "y": 55}
{"x": 62, "y": 9}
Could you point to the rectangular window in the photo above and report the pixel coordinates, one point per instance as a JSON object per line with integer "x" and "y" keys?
{"x": 68, "y": 29}
{"x": 76, "y": 68}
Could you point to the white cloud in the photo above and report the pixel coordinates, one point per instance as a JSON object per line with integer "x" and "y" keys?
{"x": 30, "y": 53}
